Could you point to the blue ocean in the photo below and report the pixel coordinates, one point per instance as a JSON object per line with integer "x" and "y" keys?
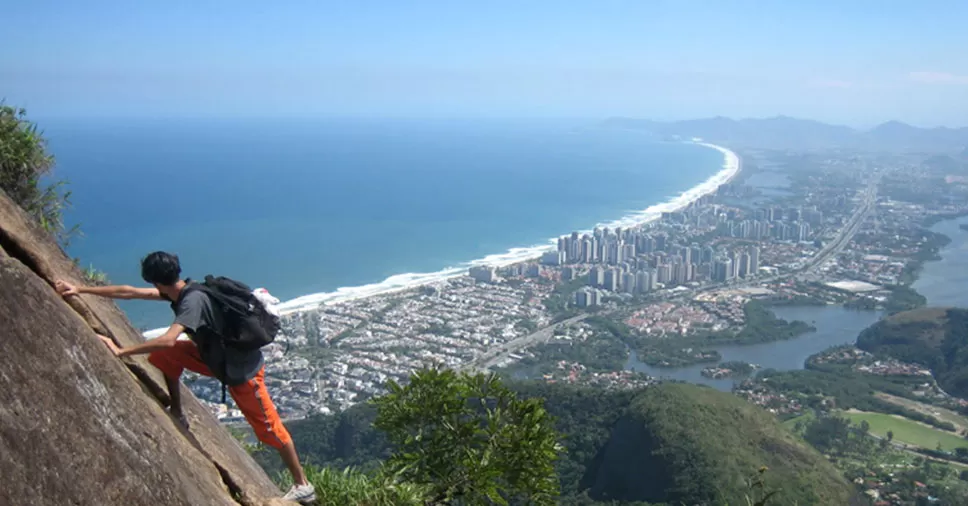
{"x": 313, "y": 206}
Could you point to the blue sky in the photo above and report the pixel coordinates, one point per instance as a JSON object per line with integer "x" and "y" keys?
{"x": 857, "y": 62}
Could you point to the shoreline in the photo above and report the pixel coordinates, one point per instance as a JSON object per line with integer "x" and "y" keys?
{"x": 731, "y": 167}
{"x": 919, "y": 263}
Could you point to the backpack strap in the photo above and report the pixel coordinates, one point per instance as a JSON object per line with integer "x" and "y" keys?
{"x": 190, "y": 286}
{"x": 214, "y": 289}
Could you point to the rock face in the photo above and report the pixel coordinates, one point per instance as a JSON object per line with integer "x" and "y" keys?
{"x": 81, "y": 427}
{"x": 686, "y": 444}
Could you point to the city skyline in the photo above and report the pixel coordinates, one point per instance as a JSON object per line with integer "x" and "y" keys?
{"x": 639, "y": 259}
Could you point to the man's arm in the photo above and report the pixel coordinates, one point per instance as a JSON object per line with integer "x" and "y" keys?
{"x": 166, "y": 340}
{"x": 113, "y": 291}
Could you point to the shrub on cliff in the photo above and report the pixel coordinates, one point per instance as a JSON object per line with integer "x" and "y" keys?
{"x": 469, "y": 439}
{"x": 24, "y": 165}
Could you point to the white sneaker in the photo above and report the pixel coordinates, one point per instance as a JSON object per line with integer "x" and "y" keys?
{"x": 303, "y": 494}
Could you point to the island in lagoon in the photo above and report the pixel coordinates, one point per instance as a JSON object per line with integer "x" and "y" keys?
{"x": 729, "y": 369}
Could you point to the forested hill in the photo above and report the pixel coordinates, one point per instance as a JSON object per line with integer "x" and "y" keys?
{"x": 936, "y": 338}
{"x": 663, "y": 444}
{"x": 679, "y": 443}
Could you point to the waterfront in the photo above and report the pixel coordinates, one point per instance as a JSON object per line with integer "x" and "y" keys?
{"x": 943, "y": 282}
{"x": 695, "y": 267}
{"x": 835, "y": 325}
{"x": 353, "y": 207}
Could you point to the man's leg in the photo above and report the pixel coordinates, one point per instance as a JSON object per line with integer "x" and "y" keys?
{"x": 172, "y": 362}
{"x": 291, "y": 459}
{"x": 253, "y": 400}
{"x": 174, "y": 393}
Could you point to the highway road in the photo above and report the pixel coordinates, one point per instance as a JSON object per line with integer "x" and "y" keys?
{"x": 492, "y": 357}
{"x": 829, "y": 250}
{"x": 849, "y": 230}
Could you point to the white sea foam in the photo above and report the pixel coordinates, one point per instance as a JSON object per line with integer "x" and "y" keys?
{"x": 401, "y": 282}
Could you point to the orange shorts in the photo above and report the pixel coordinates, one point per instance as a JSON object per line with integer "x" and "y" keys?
{"x": 251, "y": 397}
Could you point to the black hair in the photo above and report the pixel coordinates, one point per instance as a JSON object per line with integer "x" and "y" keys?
{"x": 160, "y": 268}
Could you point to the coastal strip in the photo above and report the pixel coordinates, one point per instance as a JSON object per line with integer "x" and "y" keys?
{"x": 403, "y": 282}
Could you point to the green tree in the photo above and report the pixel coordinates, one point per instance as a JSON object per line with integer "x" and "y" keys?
{"x": 469, "y": 439}
{"x": 24, "y": 164}
{"x": 828, "y": 433}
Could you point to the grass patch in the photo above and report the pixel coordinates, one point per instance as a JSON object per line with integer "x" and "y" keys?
{"x": 351, "y": 487}
{"x": 791, "y": 423}
{"x": 907, "y": 431}
{"x": 943, "y": 414}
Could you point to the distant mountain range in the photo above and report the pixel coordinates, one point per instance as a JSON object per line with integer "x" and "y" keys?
{"x": 785, "y": 132}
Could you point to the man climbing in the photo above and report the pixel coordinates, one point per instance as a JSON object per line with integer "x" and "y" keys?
{"x": 244, "y": 371}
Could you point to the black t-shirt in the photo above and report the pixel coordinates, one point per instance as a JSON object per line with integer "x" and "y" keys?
{"x": 194, "y": 311}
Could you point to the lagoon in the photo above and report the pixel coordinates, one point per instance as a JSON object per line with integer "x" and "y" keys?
{"x": 943, "y": 282}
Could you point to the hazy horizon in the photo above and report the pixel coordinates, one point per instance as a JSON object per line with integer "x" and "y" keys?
{"x": 587, "y": 121}
{"x": 858, "y": 64}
